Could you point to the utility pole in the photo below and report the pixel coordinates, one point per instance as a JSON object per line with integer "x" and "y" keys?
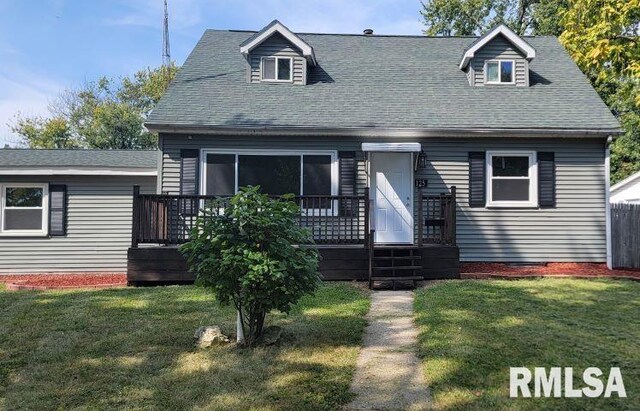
{"x": 166, "y": 51}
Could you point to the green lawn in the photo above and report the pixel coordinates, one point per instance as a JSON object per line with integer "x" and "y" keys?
{"x": 133, "y": 349}
{"x": 471, "y": 332}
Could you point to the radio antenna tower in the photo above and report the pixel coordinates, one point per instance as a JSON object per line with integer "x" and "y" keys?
{"x": 166, "y": 51}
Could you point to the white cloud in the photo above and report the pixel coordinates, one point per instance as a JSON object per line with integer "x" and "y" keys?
{"x": 27, "y": 93}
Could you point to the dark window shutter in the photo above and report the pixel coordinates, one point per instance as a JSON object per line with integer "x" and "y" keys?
{"x": 348, "y": 170}
{"x": 477, "y": 178}
{"x": 57, "y": 210}
{"x": 546, "y": 180}
{"x": 189, "y": 172}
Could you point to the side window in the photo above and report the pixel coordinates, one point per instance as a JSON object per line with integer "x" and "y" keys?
{"x": 512, "y": 179}
{"x": 499, "y": 72}
{"x": 277, "y": 69}
{"x": 24, "y": 209}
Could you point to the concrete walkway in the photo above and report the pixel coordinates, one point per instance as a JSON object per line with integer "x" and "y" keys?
{"x": 389, "y": 374}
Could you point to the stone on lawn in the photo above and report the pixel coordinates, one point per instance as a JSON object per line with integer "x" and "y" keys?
{"x": 209, "y": 335}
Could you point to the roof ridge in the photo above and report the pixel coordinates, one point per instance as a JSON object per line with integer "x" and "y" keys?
{"x": 375, "y": 35}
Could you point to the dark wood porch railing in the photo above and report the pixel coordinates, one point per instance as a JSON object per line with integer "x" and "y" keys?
{"x": 437, "y": 218}
{"x": 168, "y": 219}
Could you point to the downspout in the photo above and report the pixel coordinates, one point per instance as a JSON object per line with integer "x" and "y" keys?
{"x": 607, "y": 184}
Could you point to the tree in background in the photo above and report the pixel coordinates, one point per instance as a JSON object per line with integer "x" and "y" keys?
{"x": 474, "y": 17}
{"x": 106, "y": 114}
{"x": 600, "y": 35}
{"x": 602, "y": 38}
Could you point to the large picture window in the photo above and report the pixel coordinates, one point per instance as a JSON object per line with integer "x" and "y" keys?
{"x": 23, "y": 209}
{"x": 277, "y": 173}
{"x": 511, "y": 179}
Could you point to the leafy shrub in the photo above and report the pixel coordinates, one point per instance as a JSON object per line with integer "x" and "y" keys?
{"x": 252, "y": 253}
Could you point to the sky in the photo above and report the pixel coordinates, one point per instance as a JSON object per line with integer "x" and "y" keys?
{"x": 49, "y": 45}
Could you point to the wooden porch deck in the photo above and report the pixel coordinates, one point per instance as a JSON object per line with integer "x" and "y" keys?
{"x": 341, "y": 227}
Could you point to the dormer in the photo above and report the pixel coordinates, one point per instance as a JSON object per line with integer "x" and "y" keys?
{"x": 499, "y": 58}
{"x": 276, "y": 55}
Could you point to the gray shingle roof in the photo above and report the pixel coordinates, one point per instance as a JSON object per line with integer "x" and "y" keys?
{"x": 26, "y": 158}
{"x": 381, "y": 82}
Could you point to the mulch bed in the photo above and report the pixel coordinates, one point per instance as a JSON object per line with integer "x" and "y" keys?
{"x": 63, "y": 281}
{"x": 578, "y": 270}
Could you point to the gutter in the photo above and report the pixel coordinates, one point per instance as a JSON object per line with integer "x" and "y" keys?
{"x": 380, "y": 132}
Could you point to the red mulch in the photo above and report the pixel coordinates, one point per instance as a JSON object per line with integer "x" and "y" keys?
{"x": 63, "y": 281}
{"x": 500, "y": 270}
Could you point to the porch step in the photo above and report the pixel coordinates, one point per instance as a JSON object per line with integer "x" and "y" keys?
{"x": 398, "y": 257}
{"x": 404, "y": 278}
{"x": 398, "y": 268}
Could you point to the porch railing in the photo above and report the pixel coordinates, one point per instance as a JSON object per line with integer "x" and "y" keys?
{"x": 168, "y": 219}
{"x": 437, "y": 218}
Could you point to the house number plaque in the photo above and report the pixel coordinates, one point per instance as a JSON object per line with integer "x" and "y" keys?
{"x": 421, "y": 182}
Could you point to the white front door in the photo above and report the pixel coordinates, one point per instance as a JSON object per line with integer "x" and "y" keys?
{"x": 391, "y": 175}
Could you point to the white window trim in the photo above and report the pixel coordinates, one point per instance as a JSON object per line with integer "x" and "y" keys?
{"x": 513, "y": 72}
{"x": 533, "y": 179}
{"x": 334, "y": 165}
{"x": 276, "y": 80}
{"x": 45, "y": 210}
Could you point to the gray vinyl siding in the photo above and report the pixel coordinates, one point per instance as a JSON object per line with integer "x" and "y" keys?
{"x": 278, "y": 46}
{"x": 98, "y": 228}
{"x": 470, "y": 75}
{"x": 500, "y": 48}
{"x": 572, "y": 231}
{"x": 172, "y": 144}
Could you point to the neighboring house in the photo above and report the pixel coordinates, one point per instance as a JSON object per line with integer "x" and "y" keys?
{"x": 69, "y": 210}
{"x": 627, "y": 190}
{"x": 509, "y": 121}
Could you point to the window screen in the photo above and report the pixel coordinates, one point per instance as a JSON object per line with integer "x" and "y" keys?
{"x": 221, "y": 174}
{"x": 316, "y": 175}
{"x": 510, "y": 179}
{"x": 23, "y": 208}
{"x": 275, "y": 175}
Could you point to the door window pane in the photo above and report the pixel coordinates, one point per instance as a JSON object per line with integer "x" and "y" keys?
{"x": 284, "y": 69}
{"x": 275, "y": 175}
{"x": 503, "y": 166}
{"x": 510, "y": 190}
{"x": 506, "y": 71}
{"x": 23, "y": 197}
{"x": 492, "y": 71}
{"x": 316, "y": 175}
{"x": 269, "y": 68}
{"x": 221, "y": 174}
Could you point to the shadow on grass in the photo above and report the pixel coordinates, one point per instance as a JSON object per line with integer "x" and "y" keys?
{"x": 471, "y": 332}
{"x": 134, "y": 348}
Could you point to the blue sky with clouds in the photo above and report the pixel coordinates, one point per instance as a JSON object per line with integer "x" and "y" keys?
{"x": 48, "y": 45}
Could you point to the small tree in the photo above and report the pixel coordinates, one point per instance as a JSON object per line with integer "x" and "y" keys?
{"x": 253, "y": 255}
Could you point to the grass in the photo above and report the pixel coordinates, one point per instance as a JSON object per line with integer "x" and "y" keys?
{"x": 471, "y": 332}
{"x": 134, "y": 349}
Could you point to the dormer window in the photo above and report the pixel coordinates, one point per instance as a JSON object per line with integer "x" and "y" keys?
{"x": 499, "y": 72}
{"x": 277, "y": 69}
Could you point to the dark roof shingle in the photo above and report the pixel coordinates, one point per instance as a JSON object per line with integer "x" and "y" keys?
{"x": 381, "y": 82}
{"x": 25, "y": 158}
